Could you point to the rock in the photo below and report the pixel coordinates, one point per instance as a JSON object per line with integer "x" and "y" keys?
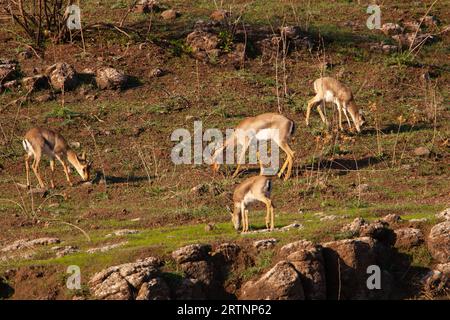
{"x": 193, "y": 252}
{"x": 219, "y": 15}
{"x": 392, "y": 219}
{"x": 8, "y": 69}
{"x": 155, "y": 289}
{"x": 190, "y": 289}
{"x": 62, "y": 76}
{"x": 364, "y": 187}
{"x": 437, "y": 281}
{"x": 265, "y": 244}
{"x": 310, "y": 264}
{"x": 119, "y": 282}
{"x": 346, "y": 262}
{"x": 391, "y": 29}
{"x": 44, "y": 97}
{"x": 445, "y": 214}
{"x": 418, "y": 220}
{"x": 122, "y": 232}
{"x": 35, "y": 82}
{"x": 26, "y": 54}
{"x": 106, "y": 247}
{"x": 412, "y": 39}
{"x": 24, "y": 243}
{"x": 329, "y": 218}
{"x": 64, "y": 251}
{"x": 439, "y": 242}
{"x": 282, "y": 282}
{"x": 355, "y": 226}
{"x": 157, "y": 72}
{"x": 380, "y": 231}
{"x": 110, "y": 78}
{"x": 146, "y": 6}
{"x": 200, "y": 270}
{"x": 169, "y": 14}
{"x": 296, "y": 246}
{"x": 429, "y": 21}
{"x": 290, "y": 32}
{"x": 421, "y": 151}
{"x": 408, "y": 237}
{"x": 202, "y": 41}
{"x": 269, "y": 47}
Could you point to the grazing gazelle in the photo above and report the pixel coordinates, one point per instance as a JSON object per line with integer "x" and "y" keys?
{"x": 266, "y": 126}
{"x": 257, "y": 188}
{"x": 331, "y": 90}
{"x": 39, "y": 141}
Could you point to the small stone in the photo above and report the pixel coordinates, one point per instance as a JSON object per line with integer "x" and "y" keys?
{"x": 169, "y": 14}
{"x": 265, "y": 244}
{"x": 422, "y": 151}
{"x": 157, "y": 72}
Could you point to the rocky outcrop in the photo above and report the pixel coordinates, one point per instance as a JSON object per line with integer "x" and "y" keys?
{"x": 439, "y": 242}
{"x": 154, "y": 289}
{"x": 355, "y": 226}
{"x": 62, "y": 76}
{"x": 346, "y": 263}
{"x": 108, "y": 78}
{"x": 124, "y": 282}
{"x": 282, "y": 282}
{"x": 407, "y": 238}
{"x": 25, "y": 243}
{"x": 437, "y": 281}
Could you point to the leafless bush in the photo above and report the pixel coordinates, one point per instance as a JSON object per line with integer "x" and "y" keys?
{"x": 39, "y": 19}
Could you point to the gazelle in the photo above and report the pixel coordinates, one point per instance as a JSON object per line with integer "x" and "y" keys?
{"x": 39, "y": 141}
{"x": 266, "y": 126}
{"x": 331, "y": 90}
{"x": 257, "y": 188}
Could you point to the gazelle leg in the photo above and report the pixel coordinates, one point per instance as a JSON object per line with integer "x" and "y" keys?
{"x": 346, "y": 115}
{"x": 272, "y": 220}
{"x": 27, "y": 169}
{"x": 290, "y": 159}
{"x": 322, "y": 115}
{"x": 240, "y": 160}
{"x": 268, "y": 204}
{"x": 35, "y": 167}
{"x": 340, "y": 116}
{"x": 246, "y": 220}
{"x": 311, "y": 104}
{"x": 66, "y": 170}
{"x": 261, "y": 167}
{"x": 52, "y": 171}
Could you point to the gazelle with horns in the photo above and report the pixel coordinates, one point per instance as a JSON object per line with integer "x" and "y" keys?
{"x": 39, "y": 141}
{"x": 257, "y": 188}
{"x": 331, "y": 90}
{"x": 266, "y": 126}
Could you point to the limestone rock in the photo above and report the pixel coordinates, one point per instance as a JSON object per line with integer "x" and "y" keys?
{"x": 193, "y": 252}
{"x": 155, "y": 289}
{"x": 110, "y": 78}
{"x": 62, "y": 76}
{"x": 408, "y": 237}
{"x": 439, "y": 242}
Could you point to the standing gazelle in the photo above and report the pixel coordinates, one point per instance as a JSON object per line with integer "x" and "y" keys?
{"x": 331, "y": 90}
{"x": 266, "y": 126}
{"x": 257, "y": 188}
{"x": 39, "y": 141}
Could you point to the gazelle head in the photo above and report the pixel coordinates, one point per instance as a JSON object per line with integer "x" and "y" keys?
{"x": 357, "y": 115}
{"x": 83, "y": 166}
{"x": 236, "y": 216}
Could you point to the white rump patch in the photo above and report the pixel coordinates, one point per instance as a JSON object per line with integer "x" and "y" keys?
{"x": 329, "y": 96}
{"x": 28, "y": 147}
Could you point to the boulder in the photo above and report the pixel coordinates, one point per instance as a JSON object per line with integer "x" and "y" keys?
{"x": 219, "y": 15}
{"x": 437, "y": 281}
{"x": 310, "y": 265}
{"x": 193, "y": 252}
{"x": 282, "y": 282}
{"x": 8, "y": 69}
{"x": 296, "y": 246}
{"x": 407, "y": 238}
{"x": 146, "y": 6}
{"x": 122, "y": 281}
{"x": 169, "y": 14}
{"x": 110, "y": 78}
{"x": 155, "y": 289}
{"x": 390, "y": 29}
{"x": 202, "y": 41}
{"x": 264, "y": 244}
{"x": 392, "y": 219}
{"x": 439, "y": 242}
{"x": 445, "y": 214}
{"x": 380, "y": 231}
{"x": 346, "y": 262}
{"x": 200, "y": 270}
{"x": 35, "y": 82}
{"x": 62, "y": 76}
{"x": 355, "y": 226}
